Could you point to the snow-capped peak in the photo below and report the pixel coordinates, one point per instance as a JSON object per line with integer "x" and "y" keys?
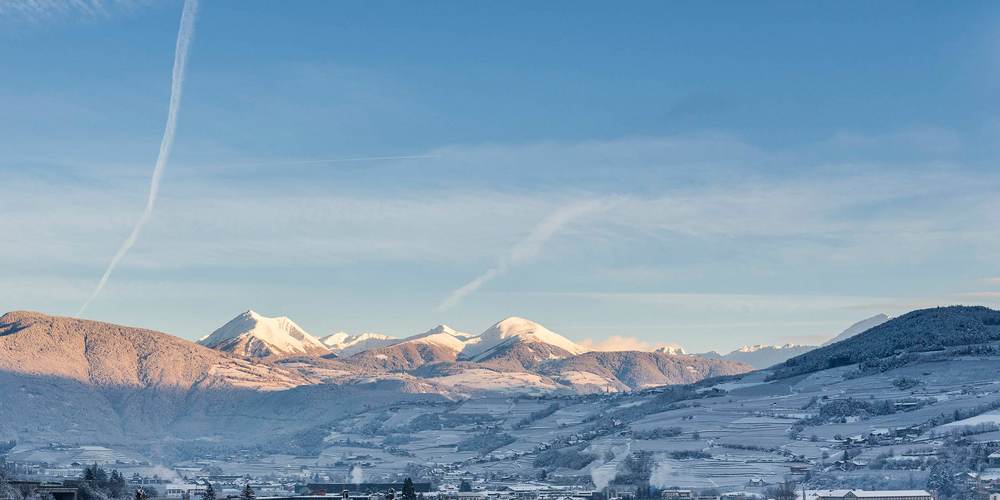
{"x": 760, "y": 347}
{"x": 524, "y": 330}
{"x": 450, "y": 331}
{"x": 345, "y": 344}
{"x": 441, "y": 336}
{"x": 671, "y": 349}
{"x": 251, "y": 333}
{"x": 335, "y": 339}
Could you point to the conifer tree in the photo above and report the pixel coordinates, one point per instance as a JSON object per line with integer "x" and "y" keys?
{"x": 408, "y": 492}
{"x": 209, "y": 493}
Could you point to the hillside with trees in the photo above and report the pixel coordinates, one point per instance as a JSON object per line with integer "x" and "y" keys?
{"x": 892, "y": 343}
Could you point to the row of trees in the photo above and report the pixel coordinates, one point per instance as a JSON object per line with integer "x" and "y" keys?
{"x": 99, "y": 484}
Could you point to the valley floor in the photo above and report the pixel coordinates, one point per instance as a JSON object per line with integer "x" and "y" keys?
{"x": 740, "y": 433}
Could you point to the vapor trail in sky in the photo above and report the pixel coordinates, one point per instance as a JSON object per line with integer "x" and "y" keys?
{"x": 527, "y": 249}
{"x": 184, "y": 36}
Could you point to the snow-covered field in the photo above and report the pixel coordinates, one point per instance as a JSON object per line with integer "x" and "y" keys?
{"x": 745, "y": 432}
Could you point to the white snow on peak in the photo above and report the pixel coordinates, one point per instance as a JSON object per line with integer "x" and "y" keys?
{"x": 281, "y": 334}
{"x": 441, "y": 335}
{"x": 523, "y": 329}
{"x": 760, "y": 347}
{"x": 671, "y": 349}
{"x": 441, "y": 339}
{"x": 450, "y": 331}
{"x": 335, "y": 339}
{"x": 345, "y": 344}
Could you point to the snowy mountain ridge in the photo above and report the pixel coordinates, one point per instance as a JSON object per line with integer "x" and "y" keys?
{"x": 676, "y": 350}
{"x": 761, "y": 347}
{"x": 345, "y": 344}
{"x": 517, "y": 330}
{"x": 251, "y": 334}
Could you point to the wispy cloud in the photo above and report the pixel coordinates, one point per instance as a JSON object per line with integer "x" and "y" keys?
{"x": 732, "y": 305}
{"x": 821, "y": 219}
{"x": 38, "y": 11}
{"x": 184, "y": 35}
{"x": 527, "y": 249}
{"x": 831, "y": 232}
{"x": 730, "y": 302}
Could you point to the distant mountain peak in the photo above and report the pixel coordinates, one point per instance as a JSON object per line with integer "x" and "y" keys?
{"x": 255, "y": 335}
{"x": 442, "y": 328}
{"x": 515, "y": 329}
{"x": 335, "y": 338}
{"x": 441, "y": 335}
{"x": 760, "y": 355}
{"x": 859, "y": 327}
{"x": 345, "y": 344}
{"x": 763, "y": 347}
{"x": 675, "y": 350}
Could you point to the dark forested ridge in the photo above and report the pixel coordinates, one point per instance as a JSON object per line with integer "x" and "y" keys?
{"x": 917, "y": 331}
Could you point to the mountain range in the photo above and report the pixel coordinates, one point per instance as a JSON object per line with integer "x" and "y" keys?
{"x": 761, "y": 356}
{"x": 513, "y": 343}
{"x": 265, "y": 380}
{"x": 268, "y": 381}
{"x": 263, "y": 353}
{"x": 445, "y": 360}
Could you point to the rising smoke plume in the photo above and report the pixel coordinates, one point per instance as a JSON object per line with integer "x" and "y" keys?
{"x": 184, "y": 36}
{"x": 357, "y": 475}
{"x": 663, "y": 475}
{"x": 526, "y": 249}
{"x": 603, "y": 473}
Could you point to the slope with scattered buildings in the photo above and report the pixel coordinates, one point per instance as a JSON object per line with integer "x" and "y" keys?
{"x": 906, "y": 416}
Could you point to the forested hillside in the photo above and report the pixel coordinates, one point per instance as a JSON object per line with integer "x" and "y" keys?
{"x": 918, "y": 331}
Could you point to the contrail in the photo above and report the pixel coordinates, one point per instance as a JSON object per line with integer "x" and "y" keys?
{"x": 526, "y": 249}
{"x": 184, "y": 35}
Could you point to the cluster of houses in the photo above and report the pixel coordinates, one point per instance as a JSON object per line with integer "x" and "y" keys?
{"x": 883, "y": 436}
{"x": 229, "y": 486}
{"x": 866, "y": 495}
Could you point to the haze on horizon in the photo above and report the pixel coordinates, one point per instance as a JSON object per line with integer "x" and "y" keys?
{"x": 664, "y": 173}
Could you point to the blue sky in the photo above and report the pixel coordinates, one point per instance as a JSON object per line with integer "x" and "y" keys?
{"x": 702, "y": 174}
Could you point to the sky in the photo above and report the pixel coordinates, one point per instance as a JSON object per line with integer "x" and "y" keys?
{"x": 629, "y": 175}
